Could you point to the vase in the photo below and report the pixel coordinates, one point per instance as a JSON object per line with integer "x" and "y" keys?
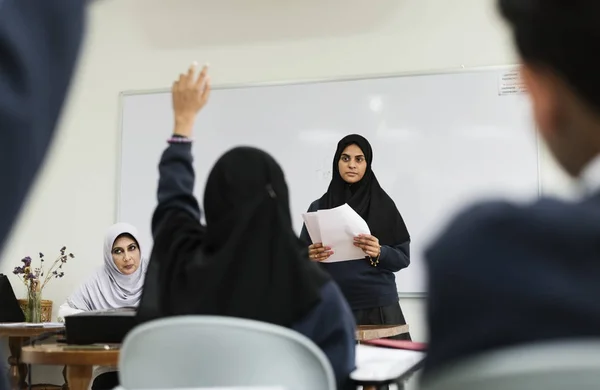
{"x": 34, "y": 307}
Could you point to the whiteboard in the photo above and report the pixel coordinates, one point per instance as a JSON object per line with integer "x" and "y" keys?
{"x": 440, "y": 142}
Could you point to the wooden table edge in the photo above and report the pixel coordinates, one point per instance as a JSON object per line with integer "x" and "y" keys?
{"x": 59, "y": 357}
{"x": 28, "y": 332}
{"x": 381, "y": 332}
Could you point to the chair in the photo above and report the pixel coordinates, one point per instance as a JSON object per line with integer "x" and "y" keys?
{"x": 210, "y": 351}
{"x": 560, "y": 365}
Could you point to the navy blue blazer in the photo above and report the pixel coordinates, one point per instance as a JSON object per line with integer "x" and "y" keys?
{"x": 39, "y": 43}
{"x": 504, "y": 274}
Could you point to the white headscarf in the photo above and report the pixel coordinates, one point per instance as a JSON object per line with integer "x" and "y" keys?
{"x": 108, "y": 288}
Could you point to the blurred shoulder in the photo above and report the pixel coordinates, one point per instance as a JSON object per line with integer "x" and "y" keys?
{"x": 502, "y": 226}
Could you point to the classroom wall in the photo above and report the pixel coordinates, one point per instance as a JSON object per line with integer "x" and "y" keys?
{"x": 142, "y": 44}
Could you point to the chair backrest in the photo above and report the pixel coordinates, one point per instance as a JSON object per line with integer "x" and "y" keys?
{"x": 210, "y": 351}
{"x": 571, "y": 365}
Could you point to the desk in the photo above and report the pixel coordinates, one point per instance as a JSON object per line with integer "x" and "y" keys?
{"x": 18, "y": 335}
{"x": 79, "y": 362}
{"x": 372, "y": 332}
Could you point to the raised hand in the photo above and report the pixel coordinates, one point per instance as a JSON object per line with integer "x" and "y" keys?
{"x": 190, "y": 93}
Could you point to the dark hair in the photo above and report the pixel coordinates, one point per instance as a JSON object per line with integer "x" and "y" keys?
{"x": 561, "y": 35}
{"x": 127, "y": 235}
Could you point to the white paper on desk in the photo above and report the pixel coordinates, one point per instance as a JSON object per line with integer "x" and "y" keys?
{"x": 32, "y": 325}
{"x": 53, "y": 324}
{"x": 21, "y": 325}
{"x": 311, "y": 222}
{"x": 376, "y": 363}
{"x": 338, "y": 227}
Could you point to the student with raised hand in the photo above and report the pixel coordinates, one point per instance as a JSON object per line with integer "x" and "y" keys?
{"x": 247, "y": 261}
{"x": 506, "y": 274}
{"x": 369, "y": 283}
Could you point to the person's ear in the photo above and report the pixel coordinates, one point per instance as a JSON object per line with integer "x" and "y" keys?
{"x": 543, "y": 91}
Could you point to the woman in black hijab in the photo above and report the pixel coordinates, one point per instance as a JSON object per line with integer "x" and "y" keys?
{"x": 247, "y": 261}
{"x": 369, "y": 284}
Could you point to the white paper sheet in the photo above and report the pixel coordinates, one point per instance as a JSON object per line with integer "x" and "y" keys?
{"x": 311, "y": 222}
{"x": 31, "y": 325}
{"x": 376, "y": 363}
{"x": 336, "y": 228}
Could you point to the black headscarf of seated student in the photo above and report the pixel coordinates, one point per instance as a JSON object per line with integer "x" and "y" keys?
{"x": 366, "y": 197}
{"x": 247, "y": 262}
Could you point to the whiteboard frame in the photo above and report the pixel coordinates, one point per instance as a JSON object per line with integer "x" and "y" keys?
{"x": 334, "y": 79}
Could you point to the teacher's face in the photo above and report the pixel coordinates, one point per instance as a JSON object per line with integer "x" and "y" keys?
{"x": 126, "y": 254}
{"x": 352, "y": 164}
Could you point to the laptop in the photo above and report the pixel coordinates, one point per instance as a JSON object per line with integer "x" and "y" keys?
{"x": 10, "y": 311}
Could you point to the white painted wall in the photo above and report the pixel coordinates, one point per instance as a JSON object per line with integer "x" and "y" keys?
{"x": 262, "y": 40}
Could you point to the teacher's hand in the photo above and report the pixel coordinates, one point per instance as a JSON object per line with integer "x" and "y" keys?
{"x": 318, "y": 252}
{"x": 369, "y": 244}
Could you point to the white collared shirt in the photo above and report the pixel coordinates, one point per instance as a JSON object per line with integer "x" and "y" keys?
{"x": 589, "y": 180}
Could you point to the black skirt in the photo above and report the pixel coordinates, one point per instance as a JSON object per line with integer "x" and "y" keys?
{"x": 385, "y": 315}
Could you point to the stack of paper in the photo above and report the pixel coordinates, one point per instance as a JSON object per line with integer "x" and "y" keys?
{"x": 336, "y": 228}
{"x": 380, "y": 364}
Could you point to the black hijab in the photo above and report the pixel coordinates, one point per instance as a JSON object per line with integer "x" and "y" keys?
{"x": 247, "y": 262}
{"x": 366, "y": 197}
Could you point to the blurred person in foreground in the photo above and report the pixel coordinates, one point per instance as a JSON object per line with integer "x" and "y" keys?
{"x": 39, "y": 45}
{"x": 504, "y": 274}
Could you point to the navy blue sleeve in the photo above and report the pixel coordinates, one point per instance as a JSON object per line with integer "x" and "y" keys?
{"x": 332, "y": 327}
{"x": 39, "y": 46}
{"x": 176, "y": 184}
{"x": 396, "y": 257}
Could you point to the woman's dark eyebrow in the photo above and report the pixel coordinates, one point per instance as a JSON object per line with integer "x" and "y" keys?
{"x": 349, "y": 156}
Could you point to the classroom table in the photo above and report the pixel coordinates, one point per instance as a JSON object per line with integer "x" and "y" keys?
{"x": 79, "y": 361}
{"x": 18, "y": 334}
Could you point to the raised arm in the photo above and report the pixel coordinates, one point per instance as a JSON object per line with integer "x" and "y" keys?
{"x": 176, "y": 183}
{"x": 176, "y": 170}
